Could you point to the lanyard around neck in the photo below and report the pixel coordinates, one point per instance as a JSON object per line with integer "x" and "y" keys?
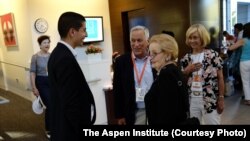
{"x": 139, "y": 78}
{"x": 199, "y": 56}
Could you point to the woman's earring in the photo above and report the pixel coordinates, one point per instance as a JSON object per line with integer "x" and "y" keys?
{"x": 167, "y": 59}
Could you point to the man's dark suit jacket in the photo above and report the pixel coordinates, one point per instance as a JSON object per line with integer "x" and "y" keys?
{"x": 71, "y": 97}
{"x": 124, "y": 88}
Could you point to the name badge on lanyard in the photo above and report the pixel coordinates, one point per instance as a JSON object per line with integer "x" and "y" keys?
{"x": 140, "y": 94}
{"x": 196, "y": 86}
{"x": 196, "y": 83}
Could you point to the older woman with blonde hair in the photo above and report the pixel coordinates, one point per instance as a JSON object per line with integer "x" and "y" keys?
{"x": 203, "y": 67}
{"x": 167, "y": 100}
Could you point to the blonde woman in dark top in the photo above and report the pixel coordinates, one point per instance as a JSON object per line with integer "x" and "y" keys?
{"x": 39, "y": 77}
{"x": 167, "y": 100}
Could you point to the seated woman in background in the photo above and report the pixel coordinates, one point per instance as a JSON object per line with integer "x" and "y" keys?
{"x": 167, "y": 100}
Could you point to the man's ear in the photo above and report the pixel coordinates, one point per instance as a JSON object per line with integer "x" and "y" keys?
{"x": 147, "y": 41}
{"x": 71, "y": 32}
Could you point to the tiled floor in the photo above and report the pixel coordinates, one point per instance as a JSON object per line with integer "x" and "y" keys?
{"x": 17, "y": 121}
{"x": 236, "y": 112}
{"x": 26, "y": 126}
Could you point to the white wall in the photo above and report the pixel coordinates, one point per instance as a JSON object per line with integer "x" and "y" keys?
{"x": 14, "y": 77}
{"x": 40, "y": 8}
{"x": 25, "y": 13}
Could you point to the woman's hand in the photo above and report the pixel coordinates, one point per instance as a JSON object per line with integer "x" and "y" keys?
{"x": 36, "y": 92}
{"x": 192, "y": 67}
{"x": 220, "y": 105}
{"x": 197, "y": 66}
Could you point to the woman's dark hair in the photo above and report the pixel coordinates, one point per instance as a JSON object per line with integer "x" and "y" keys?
{"x": 171, "y": 33}
{"x": 69, "y": 20}
{"x": 224, "y": 33}
{"x": 42, "y": 38}
{"x": 246, "y": 30}
{"x": 238, "y": 26}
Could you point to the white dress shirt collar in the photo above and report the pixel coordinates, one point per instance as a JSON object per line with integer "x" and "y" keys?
{"x": 69, "y": 47}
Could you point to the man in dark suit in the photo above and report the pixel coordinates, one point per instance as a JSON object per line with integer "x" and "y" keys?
{"x": 71, "y": 97}
{"x": 133, "y": 77}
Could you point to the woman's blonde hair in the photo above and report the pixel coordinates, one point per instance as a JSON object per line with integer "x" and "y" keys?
{"x": 167, "y": 43}
{"x": 202, "y": 31}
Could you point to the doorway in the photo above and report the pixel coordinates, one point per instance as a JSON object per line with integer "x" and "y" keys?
{"x": 235, "y": 11}
{"x": 129, "y": 20}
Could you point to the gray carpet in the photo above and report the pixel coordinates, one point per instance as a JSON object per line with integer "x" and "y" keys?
{"x": 17, "y": 120}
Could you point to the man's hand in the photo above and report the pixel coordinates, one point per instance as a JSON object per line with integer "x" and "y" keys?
{"x": 121, "y": 121}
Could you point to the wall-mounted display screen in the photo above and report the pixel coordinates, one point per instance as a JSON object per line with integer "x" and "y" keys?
{"x": 94, "y": 27}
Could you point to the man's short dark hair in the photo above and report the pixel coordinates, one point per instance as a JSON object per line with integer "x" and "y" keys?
{"x": 224, "y": 33}
{"x": 239, "y": 26}
{"x": 246, "y": 30}
{"x": 69, "y": 20}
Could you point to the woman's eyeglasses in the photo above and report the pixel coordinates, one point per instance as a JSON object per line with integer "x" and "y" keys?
{"x": 153, "y": 54}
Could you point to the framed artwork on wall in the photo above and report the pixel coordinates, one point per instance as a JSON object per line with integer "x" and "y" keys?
{"x": 94, "y": 27}
{"x": 9, "y": 29}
